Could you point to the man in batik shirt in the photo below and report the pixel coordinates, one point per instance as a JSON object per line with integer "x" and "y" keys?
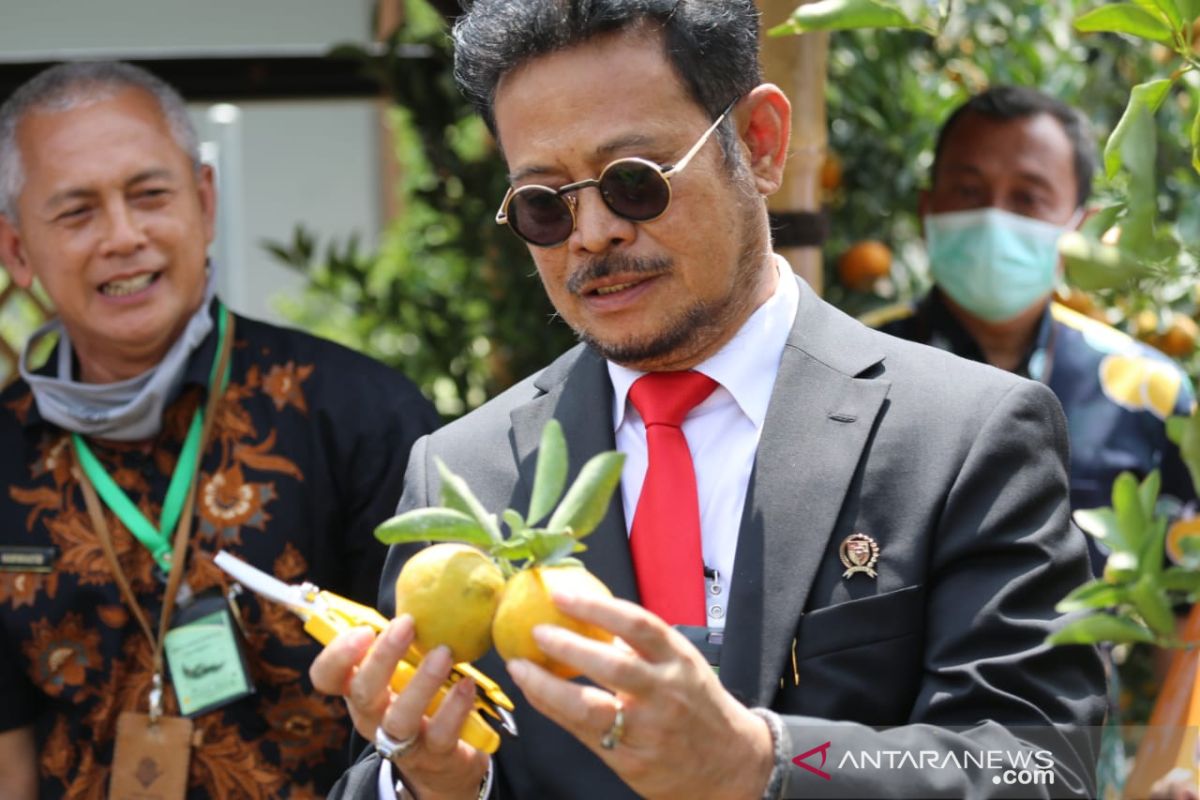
{"x": 283, "y": 449}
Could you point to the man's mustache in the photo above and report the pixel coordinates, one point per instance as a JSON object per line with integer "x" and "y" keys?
{"x": 615, "y": 264}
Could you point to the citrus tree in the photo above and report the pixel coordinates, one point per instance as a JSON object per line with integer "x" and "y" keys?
{"x": 889, "y": 90}
{"x": 447, "y": 297}
{"x": 1133, "y": 263}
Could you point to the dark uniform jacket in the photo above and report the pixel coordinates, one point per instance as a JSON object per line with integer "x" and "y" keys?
{"x": 1116, "y": 393}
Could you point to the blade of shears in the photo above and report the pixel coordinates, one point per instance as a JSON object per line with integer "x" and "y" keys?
{"x": 268, "y": 586}
{"x": 331, "y": 613}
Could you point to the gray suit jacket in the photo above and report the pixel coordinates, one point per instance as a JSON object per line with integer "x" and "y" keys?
{"x": 954, "y": 468}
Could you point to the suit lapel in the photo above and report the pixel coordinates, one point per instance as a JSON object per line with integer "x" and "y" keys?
{"x": 817, "y": 425}
{"x": 579, "y": 395}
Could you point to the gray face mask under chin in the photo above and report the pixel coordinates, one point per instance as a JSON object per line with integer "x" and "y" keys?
{"x": 126, "y": 411}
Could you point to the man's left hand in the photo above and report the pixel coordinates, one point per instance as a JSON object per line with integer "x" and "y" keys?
{"x": 683, "y": 735}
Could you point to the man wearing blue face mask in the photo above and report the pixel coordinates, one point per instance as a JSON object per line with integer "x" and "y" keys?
{"x": 1012, "y": 172}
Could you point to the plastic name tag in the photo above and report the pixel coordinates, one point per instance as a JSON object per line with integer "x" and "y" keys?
{"x": 150, "y": 761}
{"x": 204, "y": 656}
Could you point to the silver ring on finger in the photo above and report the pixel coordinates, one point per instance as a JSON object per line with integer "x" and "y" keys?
{"x": 612, "y": 737}
{"x": 390, "y": 748}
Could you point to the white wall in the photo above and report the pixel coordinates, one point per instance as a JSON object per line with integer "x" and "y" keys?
{"x": 30, "y": 28}
{"x": 314, "y": 162}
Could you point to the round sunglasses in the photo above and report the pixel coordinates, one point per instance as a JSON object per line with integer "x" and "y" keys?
{"x": 633, "y": 188}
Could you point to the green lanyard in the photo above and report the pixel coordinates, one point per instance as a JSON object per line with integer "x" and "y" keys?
{"x": 157, "y": 540}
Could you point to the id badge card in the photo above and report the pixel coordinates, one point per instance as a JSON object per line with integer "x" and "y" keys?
{"x": 150, "y": 761}
{"x": 205, "y": 657}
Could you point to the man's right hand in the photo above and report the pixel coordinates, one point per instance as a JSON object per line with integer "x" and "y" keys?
{"x": 358, "y": 666}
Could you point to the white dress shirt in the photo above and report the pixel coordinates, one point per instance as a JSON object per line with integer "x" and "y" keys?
{"x": 722, "y": 432}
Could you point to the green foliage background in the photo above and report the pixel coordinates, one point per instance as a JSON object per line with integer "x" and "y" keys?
{"x": 452, "y": 299}
{"x": 449, "y": 298}
{"x": 890, "y": 90}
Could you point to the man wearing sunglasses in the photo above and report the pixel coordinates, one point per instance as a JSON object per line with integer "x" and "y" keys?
{"x": 820, "y": 529}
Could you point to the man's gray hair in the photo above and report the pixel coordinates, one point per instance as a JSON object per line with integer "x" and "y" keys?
{"x": 66, "y": 86}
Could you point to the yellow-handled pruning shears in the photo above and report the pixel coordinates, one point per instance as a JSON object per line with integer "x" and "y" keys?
{"x": 326, "y": 614}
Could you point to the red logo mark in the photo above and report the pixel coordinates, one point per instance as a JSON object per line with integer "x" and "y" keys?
{"x": 823, "y": 749}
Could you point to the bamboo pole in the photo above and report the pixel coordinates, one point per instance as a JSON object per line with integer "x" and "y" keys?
{"x": 797, "y": 64}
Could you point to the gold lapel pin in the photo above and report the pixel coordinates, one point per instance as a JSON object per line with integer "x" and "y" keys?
{"x": 859, "y": 553}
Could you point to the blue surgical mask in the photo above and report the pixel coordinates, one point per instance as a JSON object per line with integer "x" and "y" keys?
{"x": 993, "y": 263}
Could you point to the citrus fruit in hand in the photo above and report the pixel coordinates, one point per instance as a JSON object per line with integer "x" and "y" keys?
{"x": 527, "y": 602}
{"x": 451, "y": 591}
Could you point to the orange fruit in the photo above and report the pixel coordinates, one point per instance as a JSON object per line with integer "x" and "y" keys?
{"x": 1179, "y": 530}
{"x": 1179, "y": 339}
{"x": 452, "y": 591}
{"x": 1075, "y": 300}
{"x": 1145, "y": 325}
{"x": 526, "y": 603}
{"x": 864, "y": 264}
{"x": 831, "y": 172}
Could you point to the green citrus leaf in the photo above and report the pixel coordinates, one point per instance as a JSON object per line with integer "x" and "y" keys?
{"x": 1133, "y": 144}
{"x": 1152, "y": 605}
{"x": 551, "y": 474}
{"x": 432, "y": 525}
{"x": 514, "y": 520}
{"x": 1098, "y": 222}
{"x": 1125, "y": 18}
{"x": 1092, "y": 595}
{"x": 550, "y": 548}
{"x": 1127, "y": 505}
{"x": 1195, "y": 136}
{"x": 514, "y": 549}
{"x": 1148, "y": 492}
{"x": 587, "y": 499}
{"x": 1185, "y": 433}
{"x": 1180, "y": 579}
{"x": 1168, "y": 9}
{"x": 837, "y": 15}
{"x": 1153, "y": 553}
{"x": 1101, "y": 628}
{"x": 1101, "y": 523}
{"x": 1091, "y": 265}
{"x": 456, "y": 494}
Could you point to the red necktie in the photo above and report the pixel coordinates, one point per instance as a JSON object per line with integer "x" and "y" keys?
{"x": 665, "y": 536}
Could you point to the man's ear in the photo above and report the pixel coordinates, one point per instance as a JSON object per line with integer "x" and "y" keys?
{"x": 12, "y": 254}
{"x": 764, "y": 119}
{"x": 206, "y": 185}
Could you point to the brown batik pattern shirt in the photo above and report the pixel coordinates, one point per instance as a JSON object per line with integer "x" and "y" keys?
{"x": 307, "y": 455}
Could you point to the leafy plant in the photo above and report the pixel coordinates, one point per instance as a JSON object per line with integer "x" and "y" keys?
{"x": 1133, "y": 601}
{"x": 571, "y": 517}
{"x": 892, "y": 83}
{"x": 449, "y": 297}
